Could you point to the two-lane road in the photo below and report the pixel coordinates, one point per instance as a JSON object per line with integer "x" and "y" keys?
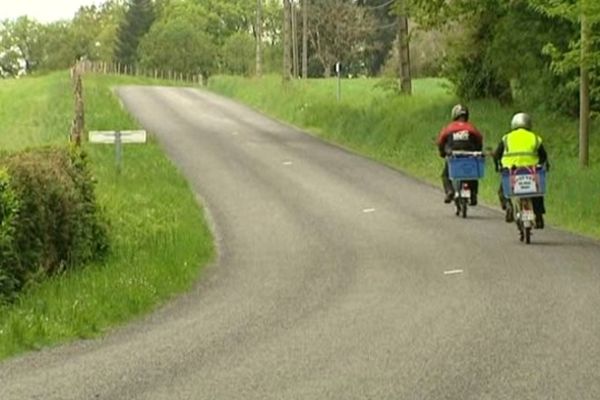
{"x": 337, "y": 278}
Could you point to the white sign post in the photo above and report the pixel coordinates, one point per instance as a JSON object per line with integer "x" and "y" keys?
{"x": 118, "y": 138}
{"x": 338, "y": 71}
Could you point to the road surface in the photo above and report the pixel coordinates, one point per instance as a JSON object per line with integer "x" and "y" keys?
{"x": 337, "y": 278}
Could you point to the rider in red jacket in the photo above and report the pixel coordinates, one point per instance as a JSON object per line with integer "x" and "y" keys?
{"x": 459, "y": 134}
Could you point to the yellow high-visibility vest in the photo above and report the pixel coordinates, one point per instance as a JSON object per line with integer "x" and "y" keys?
{"x": 520, "y": 148}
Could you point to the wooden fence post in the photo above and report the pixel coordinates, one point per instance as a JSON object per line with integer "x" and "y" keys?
{"x": 78, "y": 123}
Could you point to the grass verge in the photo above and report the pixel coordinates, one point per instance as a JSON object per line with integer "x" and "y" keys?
{"x": 159, "y": 236}
{"x": 400, "y": 131}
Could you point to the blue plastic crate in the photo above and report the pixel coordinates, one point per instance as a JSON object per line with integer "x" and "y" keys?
{"x": 524, "y": 182}
{"x": 466, "y": 168}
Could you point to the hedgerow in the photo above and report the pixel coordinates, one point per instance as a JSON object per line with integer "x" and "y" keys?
{"x": 49, "y": 219}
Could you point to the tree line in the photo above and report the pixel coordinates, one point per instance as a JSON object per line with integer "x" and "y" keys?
{"x": 202, "y": 36}
{"x": 527, "y": 51}
{"x": 540, "y": 54}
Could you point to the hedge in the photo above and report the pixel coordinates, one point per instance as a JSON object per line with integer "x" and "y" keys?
{"x": 49, "y": 219}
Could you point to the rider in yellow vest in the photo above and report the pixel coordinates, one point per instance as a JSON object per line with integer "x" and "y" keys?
{"x": 521, "y": 148}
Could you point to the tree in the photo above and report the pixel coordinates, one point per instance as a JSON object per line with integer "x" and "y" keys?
{"x": 59, "y": 48}
{"x": 238, "y": 52}
{"x": 258, "y": 37}
{"x": 287, "y": 56}
{"x": 272, "y": 40}
{"x": 339, "y": 31}
{"x": 94, "y": 30}
{"x": 404, "y": 71}
{"x": 180, "y": 43}
{"x": 20, "y": 45}
{"x": 382, "y": 39}
{"x": 225, "y": 18}
{"x": 582, "y": 55}
{"x": 305, "y": 5}
{"x": 470, "y": 26}
{"x": 138, "y": 19}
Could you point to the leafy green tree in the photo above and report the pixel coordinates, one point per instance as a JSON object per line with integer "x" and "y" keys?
{"x": 60, "y": 50}
{"x": 517, "y": 56}
{"x": 94, "y": 29}
{"x": 20, "y": 43}
{"x": 566, "y": 60}
{"x": 238, "y": 52}
{"x": 382, "y": 39}
{"x": 226, "y": 18}
{"x": 138, "y": 19}
{"x": 470, "y": 27}
{"x": 271, "y": 29}
{"x": 339, "y": 31}
{"x": 180, "y": 44}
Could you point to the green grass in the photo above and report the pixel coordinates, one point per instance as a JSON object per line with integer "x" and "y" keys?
{"x": 159, "y": 237}
{"x": 400, "y": 132}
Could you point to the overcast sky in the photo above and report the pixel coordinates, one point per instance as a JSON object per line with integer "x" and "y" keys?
{"x": 43, "y": 10}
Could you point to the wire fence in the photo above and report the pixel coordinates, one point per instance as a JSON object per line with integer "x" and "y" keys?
{"x": 111, "y": 68}
{"x": 115, "y": 68}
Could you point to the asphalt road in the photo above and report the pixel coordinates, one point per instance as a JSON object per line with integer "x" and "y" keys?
{"x": 337, "y": 278}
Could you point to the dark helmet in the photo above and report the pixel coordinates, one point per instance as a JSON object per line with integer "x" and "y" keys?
{"x": 460, "y": 111}
{"x": 521, "y": 120}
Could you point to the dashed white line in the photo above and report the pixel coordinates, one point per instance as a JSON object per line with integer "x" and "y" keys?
{"x": 287, "y": 163}
{"x": 453, "y": 271}
{"x": 368, "y": 210}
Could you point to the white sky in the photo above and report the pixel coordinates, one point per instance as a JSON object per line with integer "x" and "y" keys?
{"x": 43, "y": 10}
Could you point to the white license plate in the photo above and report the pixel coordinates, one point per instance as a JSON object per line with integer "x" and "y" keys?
{"x": 527, "y": 215}
{"x": 465, "y": 193}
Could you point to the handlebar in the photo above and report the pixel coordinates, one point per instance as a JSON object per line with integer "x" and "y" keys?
{"x": 466, "y": 153}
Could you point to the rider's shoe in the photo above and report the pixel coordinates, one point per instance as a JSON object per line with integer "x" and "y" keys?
{"x": 473, "y": 201}
{"x": 539, "y": 221}
{"x": 449, "y": 197}
{"x": 509, "y": 217}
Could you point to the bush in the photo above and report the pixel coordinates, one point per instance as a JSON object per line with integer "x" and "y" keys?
{"x": 49, "y": 219}
{"x": 8, "y": 210}
{"x": 239, "y": 54}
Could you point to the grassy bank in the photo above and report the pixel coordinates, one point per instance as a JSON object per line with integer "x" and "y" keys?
{"x": 159, "y": 237}
{"x": 400, "y": 131}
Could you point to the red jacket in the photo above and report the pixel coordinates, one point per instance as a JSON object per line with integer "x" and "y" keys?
{"x": 459, "y": 135}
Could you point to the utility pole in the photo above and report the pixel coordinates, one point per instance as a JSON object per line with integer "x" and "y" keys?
{"x": 78, "y": 123}
{"x": 304, "y": 39}
{"x": 584, "y": 92}
{"x": 258, "y": 38}
{"x": 294, "y": 19}
{"x": 286, "y": 41}
{"x": 404, "y": 51}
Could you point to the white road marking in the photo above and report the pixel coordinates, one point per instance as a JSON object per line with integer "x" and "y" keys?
{"x": 453, "y": 271}
{"x": 287, "y": 163}
{"x": 369, "y": 210}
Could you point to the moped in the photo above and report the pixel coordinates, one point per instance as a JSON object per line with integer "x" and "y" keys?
{"x": 520, "y": 185}
{"x": 463, "y": 168}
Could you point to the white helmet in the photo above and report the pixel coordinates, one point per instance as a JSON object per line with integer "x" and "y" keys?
{"x": 521, "y": 120}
